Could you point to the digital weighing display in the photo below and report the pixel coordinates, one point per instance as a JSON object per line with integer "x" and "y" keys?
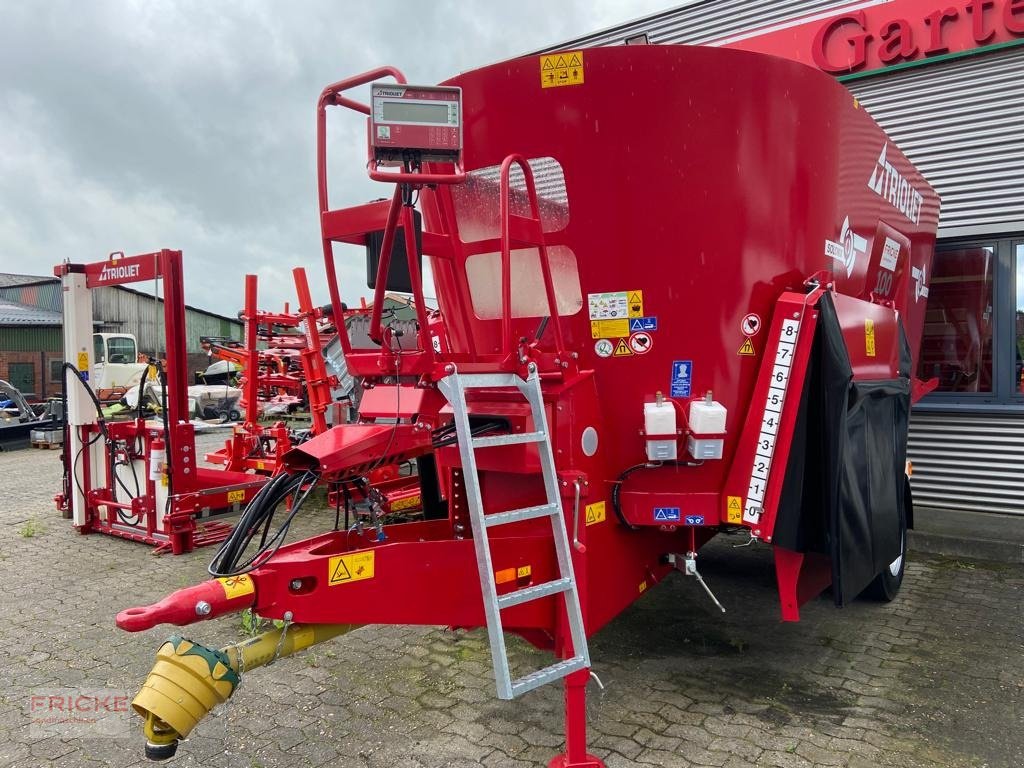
{"x": 407, "y": 121}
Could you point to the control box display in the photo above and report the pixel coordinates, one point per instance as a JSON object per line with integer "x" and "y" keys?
{"x": 415, "y": 122}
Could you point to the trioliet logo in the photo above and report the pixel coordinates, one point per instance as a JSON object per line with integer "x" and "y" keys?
{"x": 118, "y": 272}
{"x": 890, "y": 184}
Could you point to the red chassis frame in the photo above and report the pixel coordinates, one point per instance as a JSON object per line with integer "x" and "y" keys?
{"x": 192, "y": 491}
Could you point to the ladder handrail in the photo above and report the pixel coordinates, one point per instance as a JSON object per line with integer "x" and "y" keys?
{"x": 506, "y": 252}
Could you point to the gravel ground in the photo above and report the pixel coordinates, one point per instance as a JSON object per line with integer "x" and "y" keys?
{"x": 935, "y": 678}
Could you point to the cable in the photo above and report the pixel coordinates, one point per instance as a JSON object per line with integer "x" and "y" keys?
{"x": 617, "y": 485}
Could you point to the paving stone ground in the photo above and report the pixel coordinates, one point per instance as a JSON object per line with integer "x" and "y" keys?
{"x": 935, "y": 678}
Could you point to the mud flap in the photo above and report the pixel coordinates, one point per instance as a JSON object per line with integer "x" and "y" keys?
{"x": 843, "y": 494}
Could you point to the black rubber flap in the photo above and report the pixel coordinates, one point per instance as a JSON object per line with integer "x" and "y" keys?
{"x": 843, "y": 489}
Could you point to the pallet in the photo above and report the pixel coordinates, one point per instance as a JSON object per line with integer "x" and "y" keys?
{"x": 47, "y": 446}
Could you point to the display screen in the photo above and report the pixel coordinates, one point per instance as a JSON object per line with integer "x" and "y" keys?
{"x": 414, "y": 112}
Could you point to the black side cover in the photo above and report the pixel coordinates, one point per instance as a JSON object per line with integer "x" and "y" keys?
{"x": 843, "y": 490}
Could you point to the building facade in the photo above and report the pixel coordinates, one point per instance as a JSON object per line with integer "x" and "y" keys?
{"x": 946, "y": 82}
{"x": 31, "y": 337}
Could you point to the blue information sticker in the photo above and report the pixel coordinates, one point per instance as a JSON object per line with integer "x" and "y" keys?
{"x": 682, "y": 378}
{"x": 666, "y": 514}
{"x": 695, "y": 519}
{"x": 643, "y": 324}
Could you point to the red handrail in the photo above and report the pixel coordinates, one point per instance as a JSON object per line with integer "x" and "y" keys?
{"x": 506, "y": 253}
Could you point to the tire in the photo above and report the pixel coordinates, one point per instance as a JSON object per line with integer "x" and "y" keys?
{"x": 235, "y": 415}
{"x": 887, "y": 584}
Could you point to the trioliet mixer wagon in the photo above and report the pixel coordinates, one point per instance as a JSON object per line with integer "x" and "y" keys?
{"x": 680, "y": 291}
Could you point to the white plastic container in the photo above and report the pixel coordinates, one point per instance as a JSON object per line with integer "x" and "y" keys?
{"x": 707, "y": 418}
{"x": 660, "y": 427}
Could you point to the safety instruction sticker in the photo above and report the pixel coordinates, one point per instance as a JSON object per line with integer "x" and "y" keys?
{"x": 83, "y": 361}
{"x": 869, "y": 337}
{"x": 609, "y": 329}
{"x": 347, "y": 568}
{"x": 237, "y": 586}
{"x": 558, "y": 69}
{"x": 636, "y": 303}
{"x": 682, "y": 378}
{"x": 603, "y": 348}
{"x": 622, "y": 349}
{"x": 643, "y": 324}
{"x": 236, "y": 496}
{"x": 746, "y": 348}
{"x": 734, "y": 509}
{"x": 750, "y": 324}
{"x": 505, "y": 575}
{"x": 695, "y": 519}
{"x": 596, "y": 513}
{"x": 641, "y": 343}
{"x": 409, "y": 502}
{"x": 609, "y": 306}
{"x": 666, "y": 514}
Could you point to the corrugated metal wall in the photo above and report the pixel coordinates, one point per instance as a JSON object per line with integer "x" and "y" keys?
{"x": 702, "y": 22}
{"x": 31, "y": 339}
{"x": 970, "y": 462}
{"x": 960, "y": 123}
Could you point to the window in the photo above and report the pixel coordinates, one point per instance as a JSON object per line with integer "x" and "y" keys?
{"x": 121, "y": 349}
{"x": 483, "y": 271}
{"x": 56, "y": 370}
{"x": 98, "y": 355}
{"x": 1018, "y": 324}
{"x": 957, "y": 344}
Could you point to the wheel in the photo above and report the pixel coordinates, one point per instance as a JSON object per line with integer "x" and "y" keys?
{"x": 235, "y": 415}
{"x": 887, "y": 584}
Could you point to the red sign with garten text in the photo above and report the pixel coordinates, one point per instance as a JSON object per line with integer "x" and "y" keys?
{"x": 867, "y": 36}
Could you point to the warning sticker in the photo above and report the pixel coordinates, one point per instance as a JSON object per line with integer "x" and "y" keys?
{"x": 235, "y": 496}
{"x": 746, "y": 348}
{"x": 622, "y": 349}
{"x": 734, "y": 510}
{"x": 83, "y": 361}
{"x": 596, "y": 513}
{"x": 409, "y": 502}
{"x": 636, "y": 303}
{"x": 505, "y": 575}
{"x": 557, "y": 69}
{"x": 641, "y": 343}
{"x": 345, "y": 568}
{"x": 608, "y": 306}
{"x": 869, "y": 337}
{"x": 643, "y": 324}
{"x": 666, "y": 514}
{"x": 237, "y": 586}
{"x": 750, "y": 324}
{"x": 603, "y": 348}
{"x": 609, "y": 329}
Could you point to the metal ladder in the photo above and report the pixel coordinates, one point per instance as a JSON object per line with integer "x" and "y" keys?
{"x": 454, "y": 388}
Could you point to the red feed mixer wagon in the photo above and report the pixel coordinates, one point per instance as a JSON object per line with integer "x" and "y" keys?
{"x": 681, "y": 292}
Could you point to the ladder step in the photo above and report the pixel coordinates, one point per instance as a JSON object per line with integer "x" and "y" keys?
{"x": 489, "y": 380}
{"x": 536, "y": 592}
{"x": 517, "y": 515}
{"x": 548, "y": 674}
{"x": 513, "y": 439}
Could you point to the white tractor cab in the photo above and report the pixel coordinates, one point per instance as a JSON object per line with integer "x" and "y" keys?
{"x": 115, "y": 365}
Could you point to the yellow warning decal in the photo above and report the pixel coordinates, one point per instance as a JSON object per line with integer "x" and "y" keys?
{"x": 734, "y": 510}
{"x": 505, "y": 575}
{"x": 869, "y": 337}
{"x": 746, "y": 348}
{"x": 409, "y": 502}
{"x": 622, "y": 349}
{"x": 237, "y": 586}
{"x": 558, "y": 69}
{"x": 609, "y": 329}
{"x": 83, "y": 361}
{"x": 642, "y": 587}
{"x": 347, "y": 568}
{"x": 524, "y": 571}
{"x": 234, "y": 496}
{"x": 636, "y": 303}
{"x": 596, "y": 513}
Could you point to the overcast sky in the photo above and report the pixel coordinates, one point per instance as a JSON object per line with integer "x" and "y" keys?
{"x": 133, "y": 126}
